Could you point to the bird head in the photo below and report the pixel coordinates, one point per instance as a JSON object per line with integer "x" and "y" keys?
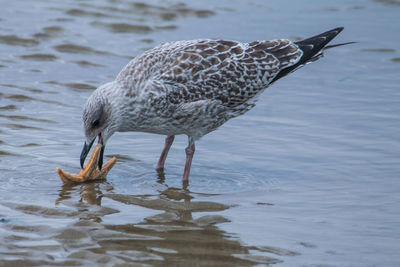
{"x": 98, "y": 120}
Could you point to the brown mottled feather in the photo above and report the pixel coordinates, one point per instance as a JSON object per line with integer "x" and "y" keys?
{"x": 193, "y": 87}
{"x": 227, "y": 71}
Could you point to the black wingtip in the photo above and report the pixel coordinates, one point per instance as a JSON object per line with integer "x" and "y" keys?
{"x": 338, "y": 29}
{"x": 311, "y": 48}
{"x": 315, "y": 43}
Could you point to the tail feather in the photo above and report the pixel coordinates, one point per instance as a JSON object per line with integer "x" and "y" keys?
{"x": 313, "y": 49}
{"x": 336, "y": 45}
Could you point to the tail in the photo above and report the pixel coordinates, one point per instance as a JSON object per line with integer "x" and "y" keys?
{"x": 313, "y": 49}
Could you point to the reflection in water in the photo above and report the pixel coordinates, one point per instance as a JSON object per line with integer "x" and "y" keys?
{"x": 90, "y": 192}
{"x": 15, "y": 40}
{"x": 175, "y": 236}
{"x": 389, "y": 2}
{"x": 161, "y": 179}
{"x": 39, "y": 57}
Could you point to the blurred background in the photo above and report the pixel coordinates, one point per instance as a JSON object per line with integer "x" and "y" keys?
{"x": 309, "y": 177}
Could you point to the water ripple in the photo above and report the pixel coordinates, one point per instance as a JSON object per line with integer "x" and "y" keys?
{"x": 15, "y": 40}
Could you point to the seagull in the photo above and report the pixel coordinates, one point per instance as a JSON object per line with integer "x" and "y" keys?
{"x": 192, "y": 88}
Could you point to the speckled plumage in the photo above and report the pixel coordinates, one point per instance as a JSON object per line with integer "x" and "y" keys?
{"x": 193, "y": 87}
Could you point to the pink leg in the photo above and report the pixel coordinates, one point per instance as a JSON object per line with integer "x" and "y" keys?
{"x": 168, "y": 142}
{"x": 189, "y": 156}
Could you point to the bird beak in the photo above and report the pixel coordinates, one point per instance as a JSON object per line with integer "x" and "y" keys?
{"x": 100, "y": 163}
{"x": 101, "y": 141}
{"x": 85, "y": 151}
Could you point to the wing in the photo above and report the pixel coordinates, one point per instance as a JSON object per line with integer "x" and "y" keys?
{"x": 312, "y": 49}
{"x": 228, "y": 71}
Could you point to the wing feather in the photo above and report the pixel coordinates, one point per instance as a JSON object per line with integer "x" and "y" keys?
{"x": 228, "y": 71}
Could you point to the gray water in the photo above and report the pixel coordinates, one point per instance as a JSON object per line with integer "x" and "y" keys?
{"x": 309, "y": 177}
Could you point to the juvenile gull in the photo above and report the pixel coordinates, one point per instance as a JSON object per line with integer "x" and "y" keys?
{"x": 192, "y": 87}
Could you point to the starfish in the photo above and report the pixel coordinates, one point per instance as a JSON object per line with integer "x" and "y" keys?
{"x": 90, "y": 172}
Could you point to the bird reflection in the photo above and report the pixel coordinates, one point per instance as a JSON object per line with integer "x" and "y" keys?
{"x": 161, "y": 178}
{"x": 185, "y": 232}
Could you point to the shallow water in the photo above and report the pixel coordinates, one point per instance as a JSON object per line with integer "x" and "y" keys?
{"x": 307, "y": 178}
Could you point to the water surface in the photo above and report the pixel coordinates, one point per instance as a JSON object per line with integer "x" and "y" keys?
{"x": 307, "y": 178}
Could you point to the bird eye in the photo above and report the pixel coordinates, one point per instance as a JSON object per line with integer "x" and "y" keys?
{"x": 95, "y": 123}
